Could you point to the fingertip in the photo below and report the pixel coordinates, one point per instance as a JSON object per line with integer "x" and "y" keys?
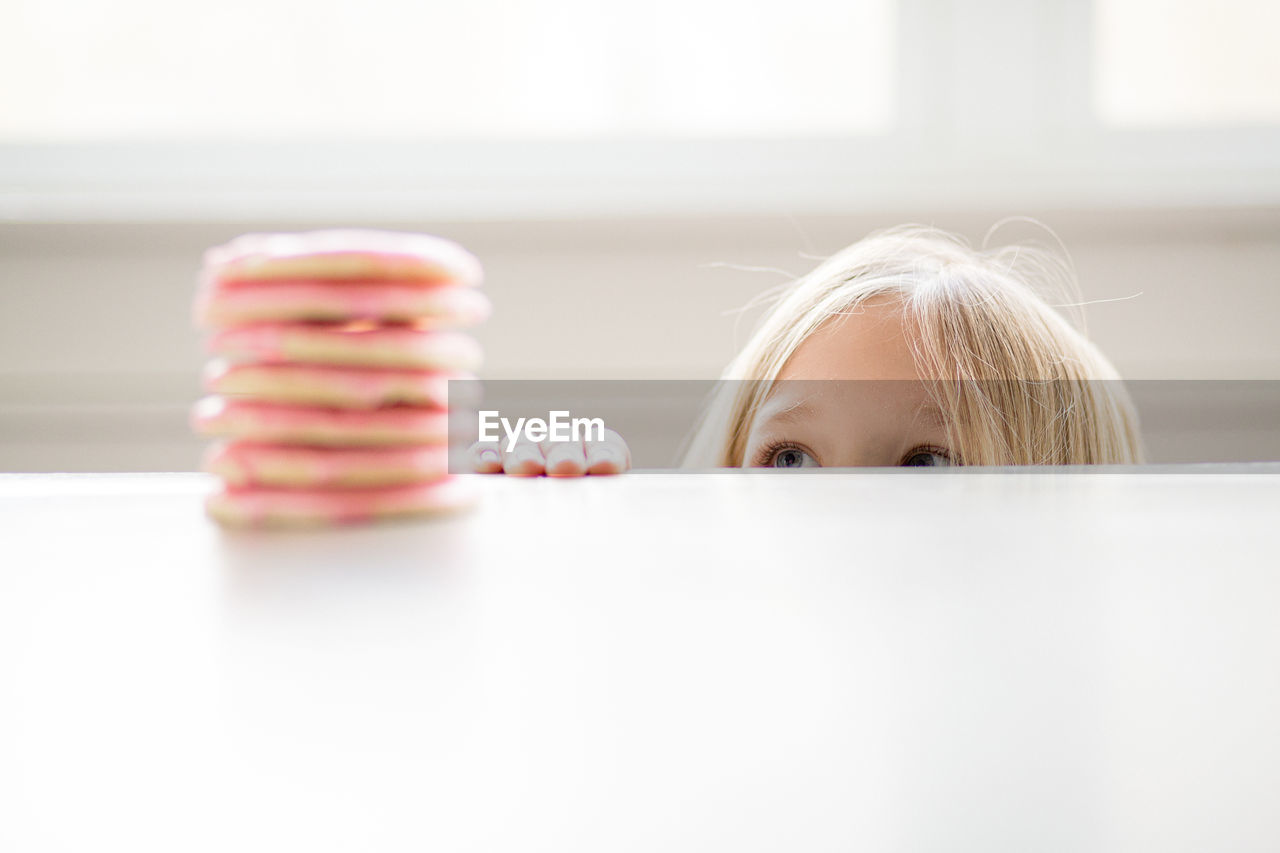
{"x": 604, "y": 465}
{"x": 485, "y": 459}
{"x": 610, "y": 457}
{"x": 566, "y": 467}
{"x": 523, "y": 467}
{"x": 488, "y": 462}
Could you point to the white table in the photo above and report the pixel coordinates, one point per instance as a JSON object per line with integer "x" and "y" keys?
{"x": 738, "y": 662}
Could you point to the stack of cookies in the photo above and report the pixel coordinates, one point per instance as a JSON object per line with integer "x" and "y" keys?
{"x": 333, "y": 351}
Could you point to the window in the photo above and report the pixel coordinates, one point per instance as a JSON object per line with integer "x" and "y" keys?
{"x": 1174, "y": 62}
{"x": 338, "y": 110}
{"x": 146, "y": 70}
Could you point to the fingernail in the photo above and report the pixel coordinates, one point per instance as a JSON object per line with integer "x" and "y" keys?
{"x": 489, "y": 456}
{"x": 604, "y": 455}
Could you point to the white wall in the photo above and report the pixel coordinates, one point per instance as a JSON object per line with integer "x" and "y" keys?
{"x": 99, "y": 361}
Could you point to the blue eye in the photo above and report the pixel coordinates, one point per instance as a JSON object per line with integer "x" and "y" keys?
{"x": 793, "y": 457}
{"x": 923, "y": 457}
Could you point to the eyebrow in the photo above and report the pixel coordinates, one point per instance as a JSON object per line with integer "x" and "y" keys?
{"x": 927, "y": 415}
{"x": 797, "y": 411}
{"x": 931, "y": 413}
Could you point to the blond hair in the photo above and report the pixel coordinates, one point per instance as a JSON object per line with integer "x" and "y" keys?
{"x": 1017, "y": 383}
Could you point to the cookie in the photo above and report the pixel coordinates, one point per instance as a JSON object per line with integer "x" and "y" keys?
{"x": 241, "y": 463}
{"x": 354, "y": 255}
{"x": 275, "y": 423}
{"x": 260, "y": 506}
{"x": 355, "y": 344}
{"x": 318, "y": 301}
{"x": 336, "y": 387}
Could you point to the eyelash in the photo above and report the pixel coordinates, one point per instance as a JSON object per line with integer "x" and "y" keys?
{"x": 765, "y": 457}
{"x": 930, "y": 448}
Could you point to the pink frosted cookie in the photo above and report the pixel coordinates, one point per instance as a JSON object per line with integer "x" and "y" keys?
{"x": 315, "y": 301}
{"x": 356, "y": 344}
{"x": 272, "y": 423}
{"x": 260, "y": 506}
{"x": 348, "y": 254}
{"x": 241, "y": 463}
{"x": 340, "y": 387}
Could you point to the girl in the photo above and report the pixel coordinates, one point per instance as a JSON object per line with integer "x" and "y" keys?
{"x": 907, "y": 348}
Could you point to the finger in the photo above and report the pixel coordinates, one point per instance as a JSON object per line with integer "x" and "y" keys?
{"x": 564, "y": 458}
{"x": 523, "y": 460}
{"x": 610, "y": 456}
{"x": 486, "y": 457}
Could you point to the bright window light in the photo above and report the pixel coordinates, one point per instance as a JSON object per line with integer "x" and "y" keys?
{"x": 91, "y": 70}
{"x": 1187, "y": 62}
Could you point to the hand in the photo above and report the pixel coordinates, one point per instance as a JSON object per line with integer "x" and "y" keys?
{"x": 553, "y": 458}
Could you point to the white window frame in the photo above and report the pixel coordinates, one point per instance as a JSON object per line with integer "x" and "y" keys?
{"x": 993, "y": 111}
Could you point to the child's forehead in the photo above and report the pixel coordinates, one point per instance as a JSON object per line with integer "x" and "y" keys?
{"x": 800, "y": 400}
{"x": 868, "y": 342}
